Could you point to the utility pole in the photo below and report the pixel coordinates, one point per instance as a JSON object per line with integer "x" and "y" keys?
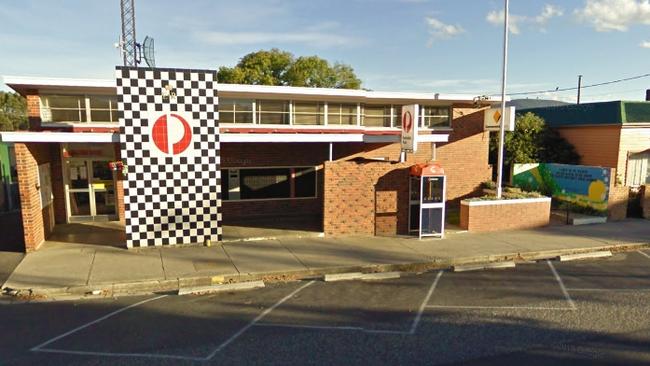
{"x": 579, "y": 87}
{"x": 503, "y": 99}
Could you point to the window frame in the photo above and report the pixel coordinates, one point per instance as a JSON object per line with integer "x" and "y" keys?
{"x": 257, "y": 117}
{"x": 234, "y": 112}
{"x": 424, "y": 116}
{"x": 316, "y": 169}
{"x": 386, "y": 117}
{"x": 83, "y": 108}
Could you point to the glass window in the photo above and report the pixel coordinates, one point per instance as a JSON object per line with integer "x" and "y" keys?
{"x": 376, "y": 116}
{"x": 305, "y": 182}
{"x": 273, "y": 112}
{"x": 265, "y": 183}
{"x": 308, "y": 113}
{"x": 103, "y": 108}
{"x": 397, "y": 116}
{"x": 433, "y": 117}
{"x": 270, "y": 183}
{"x": 341, "y": 114}
{"x": 73, "y": 108}
{"x": 63, "y": 108}
{"x": 235, "y": 110}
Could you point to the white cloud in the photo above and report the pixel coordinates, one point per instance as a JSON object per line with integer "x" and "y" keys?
{"x": 614, "y": 15}
{"x": 645, "y": 44}
{"x": 496, "y": 18}
{"x": 440, "y": 30}
{"x": 549, "y": 11}
{"x": 246, "y": 38}
{"x": 515, "y": 21}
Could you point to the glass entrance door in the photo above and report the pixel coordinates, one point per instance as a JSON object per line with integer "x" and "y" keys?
{"x": 91, "y": 190}
{"x": 78, "y": 188}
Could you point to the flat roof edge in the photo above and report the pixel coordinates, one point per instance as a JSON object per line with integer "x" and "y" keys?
{"x": 27, "y": 82}
{"x": 31, "y": 136}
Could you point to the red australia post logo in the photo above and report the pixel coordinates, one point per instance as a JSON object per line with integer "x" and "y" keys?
{"x": 407, "y": 121}
{"x": 171, "y": 133}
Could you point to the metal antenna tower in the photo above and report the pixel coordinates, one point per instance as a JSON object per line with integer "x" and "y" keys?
{"x": 129, "y": 44}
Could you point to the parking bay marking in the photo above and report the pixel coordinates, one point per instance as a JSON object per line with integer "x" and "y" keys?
{"x": 411, "y": 331}
{"x": 572, "y": 306}
{"x": 643, "y": 254}
{"x": 40, "y": 347}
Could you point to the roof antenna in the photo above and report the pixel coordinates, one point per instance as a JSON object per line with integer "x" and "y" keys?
{"x": 132, "y": 51}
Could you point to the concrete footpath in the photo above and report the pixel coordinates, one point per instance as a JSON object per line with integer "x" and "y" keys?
{"x": 65, "y": 270}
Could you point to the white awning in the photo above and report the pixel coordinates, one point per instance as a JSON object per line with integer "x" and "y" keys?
{"x": 103, "y": 137}
{"x": 25, "y": 136}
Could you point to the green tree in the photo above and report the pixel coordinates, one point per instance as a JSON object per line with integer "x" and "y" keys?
{"x": 276, "y": 67}
{"x": 533, "y": 141}
{"x": 13, "y": 112}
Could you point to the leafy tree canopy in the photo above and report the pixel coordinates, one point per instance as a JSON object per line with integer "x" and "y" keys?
{"x": 13, "y": 112}
{"x": 276, "y": 67}
{"x": 533, "y": 141}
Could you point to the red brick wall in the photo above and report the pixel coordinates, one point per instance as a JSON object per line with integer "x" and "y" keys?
{"x": 365, "y": 198}
{"x": 464, "y": 157}
{"x": 511, "y": 216}
{"x": 37, "y": 223}
{"x": 617, "y": 199}
{"x": 33, "y": 110}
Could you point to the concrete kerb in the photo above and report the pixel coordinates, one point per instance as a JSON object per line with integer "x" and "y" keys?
{"x": 173, "y": 285}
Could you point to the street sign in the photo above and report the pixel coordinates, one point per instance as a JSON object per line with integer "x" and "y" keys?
{"x": 410, "y": 118}
{"x": 492, "y": 118}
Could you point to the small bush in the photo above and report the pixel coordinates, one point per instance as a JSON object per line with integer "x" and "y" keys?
{"x": 488, "y": 184}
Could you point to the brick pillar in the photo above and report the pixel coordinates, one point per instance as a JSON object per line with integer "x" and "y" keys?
{"x": 34, "y": 110}
{"x": 30, "y": 200}
{"x": 119, "y": 187}
{"x": 617, "y": 201}
{"x": 60, "y": 214}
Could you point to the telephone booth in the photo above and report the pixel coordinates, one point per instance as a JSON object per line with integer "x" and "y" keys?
{"x": 427, "y": 192}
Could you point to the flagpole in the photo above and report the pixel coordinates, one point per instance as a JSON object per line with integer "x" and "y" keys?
{"x": 503, "y": 100}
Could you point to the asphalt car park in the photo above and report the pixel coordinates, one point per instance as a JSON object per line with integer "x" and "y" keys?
{"x": 590, "y": 311}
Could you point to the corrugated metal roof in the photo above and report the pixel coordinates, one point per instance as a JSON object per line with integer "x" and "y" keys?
{"x": 602, "y": 113}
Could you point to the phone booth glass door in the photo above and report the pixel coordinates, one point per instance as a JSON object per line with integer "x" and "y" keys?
{"x": 427, "y": 189}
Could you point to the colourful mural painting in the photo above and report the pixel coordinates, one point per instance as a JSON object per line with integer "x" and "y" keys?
{"x": 586, "y": 186}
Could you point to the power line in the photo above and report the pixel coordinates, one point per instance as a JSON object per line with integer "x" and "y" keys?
{"x": 583, "y": 87}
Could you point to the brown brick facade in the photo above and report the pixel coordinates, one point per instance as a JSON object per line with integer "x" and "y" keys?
{"x": 33, "y": 110}
{"x": 617, "y": 199}
{"x": 510, "y": 216}
{"x": 365, "y": 197}
{"x": 37, "y": 223}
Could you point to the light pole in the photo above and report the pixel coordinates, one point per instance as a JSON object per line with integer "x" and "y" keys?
{"x": 503, "y": 100}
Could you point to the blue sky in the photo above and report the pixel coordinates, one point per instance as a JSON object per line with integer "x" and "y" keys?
{"x": 446, "y": 46}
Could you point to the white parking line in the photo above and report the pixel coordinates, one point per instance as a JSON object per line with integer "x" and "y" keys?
{"x": 411, "y": 331}
{"x": 559, "y": 281}
{"x": 416, "y": 321}
{"x": 333, "y": 327}
{"x": 610, "y": 289}
{"x": 257, "y": 319}
{"x": 469, "y": 307}
{"x": 40, "y": 346}
{"x": 643, "y": 254}
{"x": 114, "y": 354}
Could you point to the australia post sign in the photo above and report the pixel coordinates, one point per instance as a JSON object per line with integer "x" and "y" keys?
{"x": 409, "y": 128}
{"x": 169, "y": 137}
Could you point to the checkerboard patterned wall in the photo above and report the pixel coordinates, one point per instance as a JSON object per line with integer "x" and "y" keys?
{"x": 169, "y": 139}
